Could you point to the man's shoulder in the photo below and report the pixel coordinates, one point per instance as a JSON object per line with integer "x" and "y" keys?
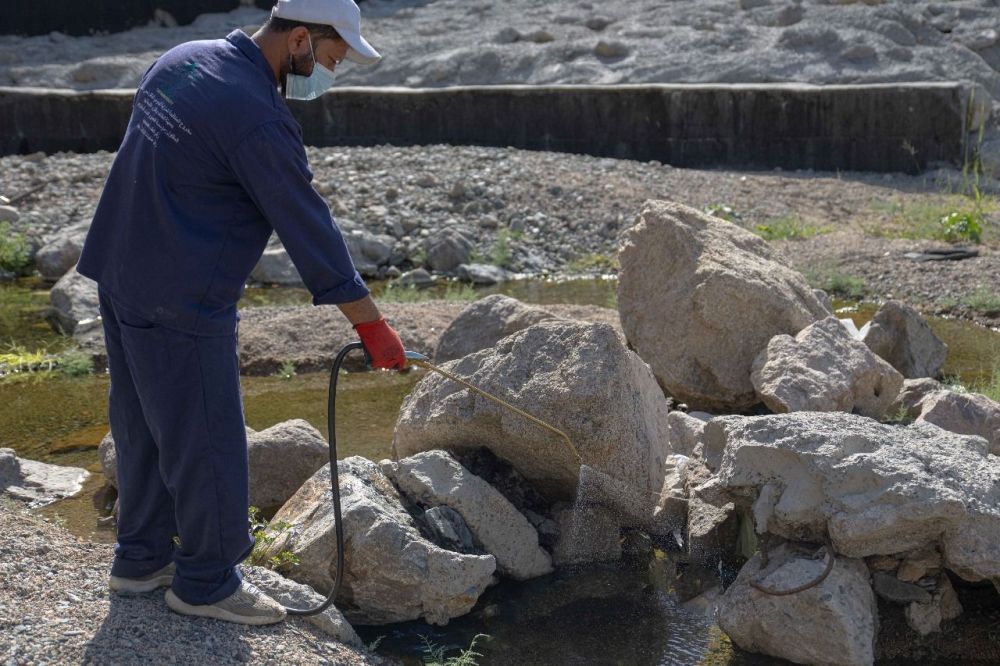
{"x": 222, "y": 92}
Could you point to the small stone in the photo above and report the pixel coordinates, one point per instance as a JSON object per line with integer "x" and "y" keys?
{"x": 507, "y": 36}
{"x": 539, "y": 37}
{"x": 9, "y": 214}
{"x": 427, "y": 180}
{"x": 598, "y": 23}
{"x": 924, "y": 618}
{"x": 919, "y": 564}
{"x": 610, "y": 49}
{"x": 892, "y": 589}
{"x": 858, "y": 52}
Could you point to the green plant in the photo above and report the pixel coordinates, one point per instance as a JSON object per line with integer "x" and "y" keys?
{"x": 838, "y": 284}
{"x": 15, "y": 251}
{"x": 266, "y": 534}
{"x": 983, "y": 300}
{"x": 434, "y": 654}
{"x": 955, "y": 227}
{"x": 723, "y": 212}
{"x": 501, "y": 255}
{"x": 287, "y": 370}
{"x": 75, "y": 363}
{"x": 789, "y": 227}
{"x": 371, "y": 647}
{"x": 990, "y": 386}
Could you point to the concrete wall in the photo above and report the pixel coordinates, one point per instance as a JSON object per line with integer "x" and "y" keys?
{"x": 79, "y": 17}
{"x": 864, "y": 128}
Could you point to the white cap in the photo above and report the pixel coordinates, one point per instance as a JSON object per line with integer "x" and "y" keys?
{"x": 343, "y": 15}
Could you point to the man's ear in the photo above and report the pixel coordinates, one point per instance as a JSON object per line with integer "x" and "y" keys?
{"x": 298, "y": 40}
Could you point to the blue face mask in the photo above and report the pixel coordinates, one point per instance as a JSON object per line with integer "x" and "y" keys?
{"x": 312, "y": 86}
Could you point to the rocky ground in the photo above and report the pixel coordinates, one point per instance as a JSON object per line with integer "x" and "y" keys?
{"x": 452, "y": 42}
{"x": 55, "y": 607}
{"x": 552, "y": 213}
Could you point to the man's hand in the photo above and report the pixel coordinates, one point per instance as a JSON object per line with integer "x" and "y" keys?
{"x": 383, "y": 344}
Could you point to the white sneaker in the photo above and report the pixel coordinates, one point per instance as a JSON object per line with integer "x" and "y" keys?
{"x": 157, "y": 579}
{"x": 247, "y": 605}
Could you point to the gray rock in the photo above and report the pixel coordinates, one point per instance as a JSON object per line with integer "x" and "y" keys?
{"x": 61, "y": 253}
{"x": 965, "y": 414}
{"x": 833, "y": 623}
{"x": 416, "y": 278}
{"x": 109, "y": 460}
{"x": 685, "y": 433}
{"x": 605, "y": 49}
{"x": 712, "y": 523}
{"x": 276, "y": 267}
{"x": 447, "y": 249}
{"x": 296, "y": 595}
{"x": 506, "y": 35}
{"x": 37, "y": 483}
{"x": 824, "y": 369}
{"x": 282, "y": 458}
{"x": 9, "y": 214}
{"x": 899, "y": 335}
{"x": 892, "y": 589}
{"x": 482, "y": 273}
{"x": 874, "y": 489}
{"x": 449, "y": 529}
{"x": 484, "y": 323}
{"x": 435, "y": 478}
{"x": 74, "y": 300}
{"x": 718, "y": 296}
{"x": 913, "y": 394}
{"x": 565, "y": 373}
{"x": 392, "y": 574}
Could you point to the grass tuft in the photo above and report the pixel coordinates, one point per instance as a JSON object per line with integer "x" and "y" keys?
{"x": 983, "y": 300}
{"x": 434, "y": 654}
{"x": 849, "y": 287}
{"x": 789, "y": 227}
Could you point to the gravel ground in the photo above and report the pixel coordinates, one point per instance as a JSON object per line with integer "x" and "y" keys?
{"x": 562, "y": 214}
{"x": 55, "y": 608}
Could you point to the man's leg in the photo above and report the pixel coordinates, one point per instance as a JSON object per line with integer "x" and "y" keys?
{"x": 189, "y": 387}
{"x": 146, "y": 524}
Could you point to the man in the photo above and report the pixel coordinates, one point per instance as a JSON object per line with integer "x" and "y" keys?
{"x": 212, "y": 162}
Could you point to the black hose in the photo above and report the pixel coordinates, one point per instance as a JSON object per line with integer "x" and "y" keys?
{"x": 331, "y": 422}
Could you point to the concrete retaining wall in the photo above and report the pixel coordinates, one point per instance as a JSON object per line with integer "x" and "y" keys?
{"x": 862, "y": 128}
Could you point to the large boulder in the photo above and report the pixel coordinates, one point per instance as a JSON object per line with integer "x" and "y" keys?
{"x": 965, "y": 414}
{"x": 487, "y": 321}
{"x": 900, "y": 335}
{"x": 74, "y": 300}
{"x": 61, "y": 253}
{"x": 434, "y": 479}
{"x": 282, "y": 458}
{"x": 833, "y": 623}
{"x": 699, "y": 298}
{"x": 824, "y": 369}
{"x": 577, "y": 376}
{"x": 484, "y": 323}
{"x": 873, "y": 489}
{"x": 37, "y": 483}
{"x": 391, "y": 572}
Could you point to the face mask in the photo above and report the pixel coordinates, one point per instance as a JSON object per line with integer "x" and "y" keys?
{"x": 308, "y": 87}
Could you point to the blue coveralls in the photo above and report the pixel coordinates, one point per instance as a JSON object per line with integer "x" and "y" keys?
{"x": 212, "y": 162}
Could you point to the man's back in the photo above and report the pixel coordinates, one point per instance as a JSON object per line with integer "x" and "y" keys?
{"x": 178, "y": 228}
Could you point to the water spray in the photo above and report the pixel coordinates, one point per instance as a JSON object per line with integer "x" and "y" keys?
{"x": 420, "y": 360}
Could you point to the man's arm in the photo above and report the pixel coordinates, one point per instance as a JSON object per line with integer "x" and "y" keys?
{"x": 272, "y": 166}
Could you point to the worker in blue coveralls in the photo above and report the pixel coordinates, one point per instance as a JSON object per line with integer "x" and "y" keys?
{"x": 212, "y": 162}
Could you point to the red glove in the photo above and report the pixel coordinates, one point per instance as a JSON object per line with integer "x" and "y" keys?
{"x": 382, "y": 344}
